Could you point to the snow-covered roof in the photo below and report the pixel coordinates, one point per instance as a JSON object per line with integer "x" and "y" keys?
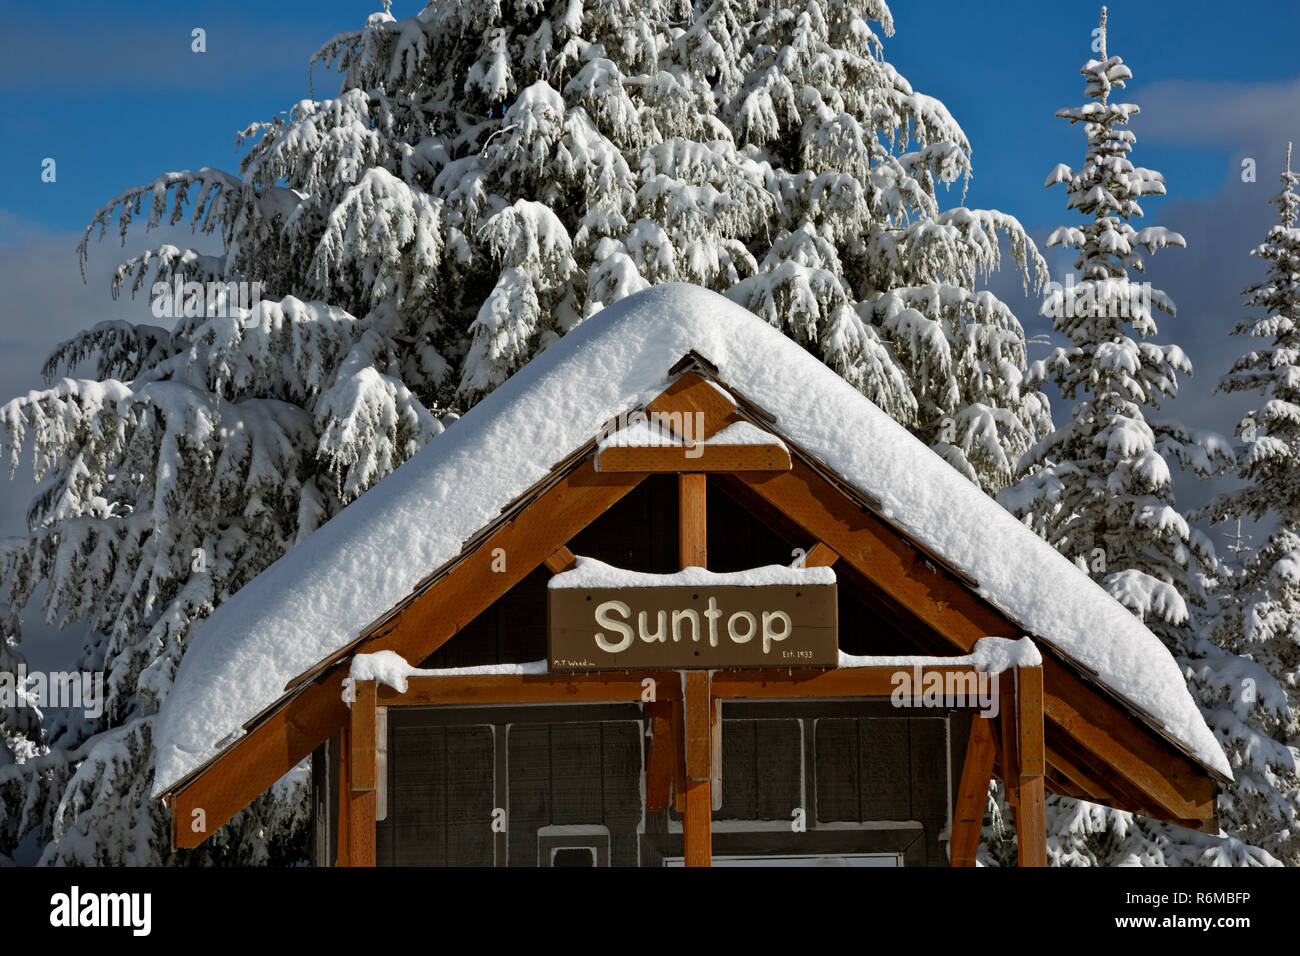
{"x": 321, "y": 596}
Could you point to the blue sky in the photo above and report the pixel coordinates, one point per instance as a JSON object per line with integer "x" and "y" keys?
{"x": 113, "y": 93}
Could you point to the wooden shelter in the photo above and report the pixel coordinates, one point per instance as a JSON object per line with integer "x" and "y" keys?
{"x": 485, "y": 762}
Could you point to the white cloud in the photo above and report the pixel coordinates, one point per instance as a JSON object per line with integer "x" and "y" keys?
{"x": 1238, "y": 117}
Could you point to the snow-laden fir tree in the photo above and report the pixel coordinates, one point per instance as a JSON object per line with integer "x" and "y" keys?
{"x": 20, "y": 733}
{"x": 488, "y": 176}
{"x": 1260, "y": 613}
{"x": 1099, "y": 487}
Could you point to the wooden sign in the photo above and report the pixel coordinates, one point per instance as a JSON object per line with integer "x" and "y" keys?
{"x": 648, "y": 628}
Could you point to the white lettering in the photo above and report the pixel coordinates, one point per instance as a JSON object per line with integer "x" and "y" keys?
{"x": 769, "y": 635}
{"x": 751, "y": 627}
{"x": 712, "y": 613}
{"x": 684, "y": 615}
{"x": 73, "y": 909}
{"x": 604, "y": 620}
{"x": 661, "y": 632}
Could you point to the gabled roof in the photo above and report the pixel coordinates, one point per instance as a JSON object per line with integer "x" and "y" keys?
{"x": 317, "y": 600}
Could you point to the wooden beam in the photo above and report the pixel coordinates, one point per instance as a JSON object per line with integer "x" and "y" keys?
{"x": 695, "y": 396}
{"x": 1080, "y": 783}
{"x": 361, "y": 776}
{"x": 1115, "y": 790}
{"x": 361, "y": 829}
{"x": 661, "y": 753}
{"x": 562, "y": 559}
{"x": 1062, "y": 786}
{"x": 362, "y": 727}
{"x": 820, "y": 555}
{"x": 534, "y": 535}
{"x": 256, "y": 761}
{"x": 972, "y": 793}
{"x": 629, "y": 686}
{"x": 286, "y": 736}
{"x": 699, "y": 725}
{"x": 697, "y": 825}
{"x": 1029, "y": 705}
{"x": 1174, "y": 786}
{"x": 477, "y": 689}
{"x": 880, "y": 553}
{"x": 875, "y": 681}
{"x": 692, "y": 521}
{"x": 851, "y": 578}
{"x": 653, "y": 459}
{"x": 1031, "y": 815}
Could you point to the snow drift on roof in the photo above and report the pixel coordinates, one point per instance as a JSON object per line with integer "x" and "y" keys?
{"x": 590, "y": 573}
{"x": 323, "y": 593}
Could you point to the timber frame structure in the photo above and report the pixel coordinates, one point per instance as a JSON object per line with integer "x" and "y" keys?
{"x": 1060, "y": 729}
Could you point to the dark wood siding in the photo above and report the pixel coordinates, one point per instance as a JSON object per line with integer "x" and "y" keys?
{"x": 324, "y": 802}
{"x": 639, "y": 533}
{"x": 761, "y": 770}
{"x": 573, "y": 775}
{"x": 440, "y": 795}
{"x": 445, "y": 791}
{"x": 860, "y": 776}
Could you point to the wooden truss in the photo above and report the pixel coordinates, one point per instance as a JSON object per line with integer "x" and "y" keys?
{"x": 1066, "y": 731}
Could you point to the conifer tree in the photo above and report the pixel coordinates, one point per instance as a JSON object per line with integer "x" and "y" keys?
{"x": 1099, "y": 487}
{"x": 1260, "y": 604}
{"x": 488, "y": 176}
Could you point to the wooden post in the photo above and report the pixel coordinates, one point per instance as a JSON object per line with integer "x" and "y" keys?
{"x": 972, "y": 793}
{"x": 1008, "y": 745}
{"x": 341, "y": 841}
{"x": 697, "y": 825}
{"x": 693, "y": 551}
{"x": 1031, "y": 817}
{"x": 561, "y": 560}
{"x": 361, "y": 776}
{"x": 692, "y": 524}
{"x": 715, "y": 754}
{"x": 677, "y": 720}
{"x": 661, "y": 754}
{"x": 820, "y": 556}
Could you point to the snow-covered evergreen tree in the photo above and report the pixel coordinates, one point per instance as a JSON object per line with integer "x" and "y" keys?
{"x": 1260, "y": 614}
{"x": 1099, "y": 488}
{"x": 21, "y": 738}
{"x": 488, "y": 176}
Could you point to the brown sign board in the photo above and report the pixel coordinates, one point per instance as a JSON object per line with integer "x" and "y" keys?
{"x": 655, "y": 628}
